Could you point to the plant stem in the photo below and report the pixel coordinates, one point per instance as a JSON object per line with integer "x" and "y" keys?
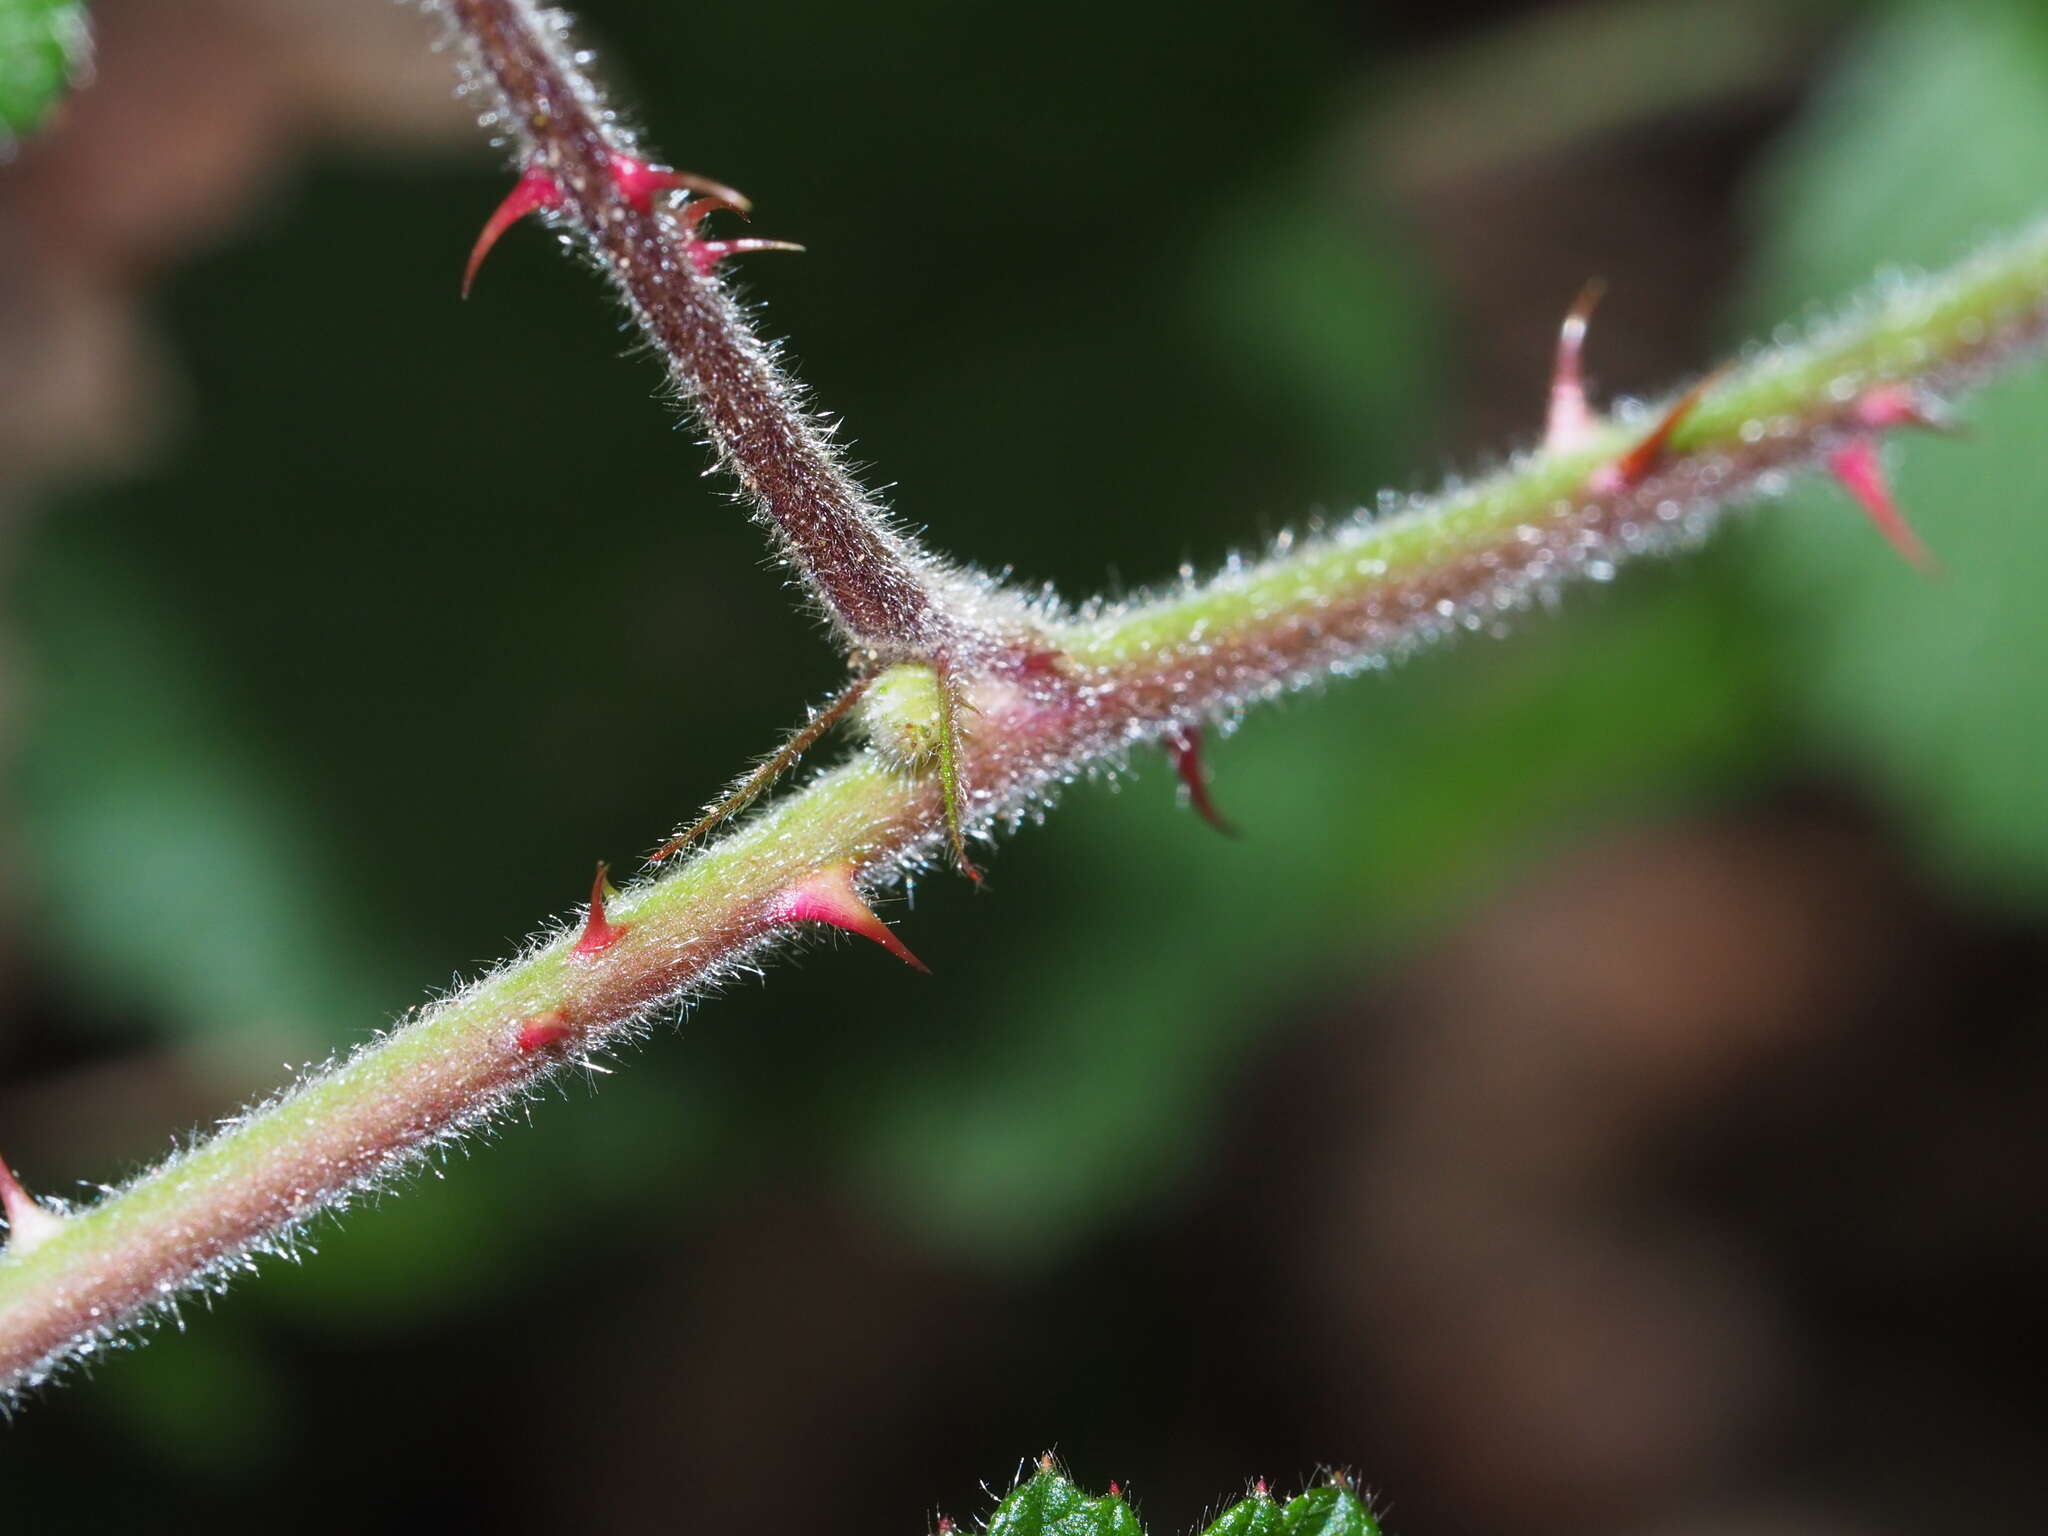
{"x": 1347, "y": 599}
{"x": 884, "y": 593}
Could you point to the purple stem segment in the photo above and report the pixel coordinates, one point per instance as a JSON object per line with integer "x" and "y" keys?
{"x": 871, "y": 580}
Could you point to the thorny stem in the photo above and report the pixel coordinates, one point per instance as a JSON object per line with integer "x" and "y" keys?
{"x": 1090, "y": 686}
{"x": 1341, "y": 600}
{"x": 881, "y": 591}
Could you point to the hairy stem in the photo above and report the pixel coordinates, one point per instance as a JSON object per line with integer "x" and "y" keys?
{"x": 1351, "y": 597}
{"x": 883, "y": 593}
{"x": 771, "y": 769}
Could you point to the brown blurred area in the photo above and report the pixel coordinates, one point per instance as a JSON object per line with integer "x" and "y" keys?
{"x": 1689, "y": 1185}
{"x": 193, "y": 113}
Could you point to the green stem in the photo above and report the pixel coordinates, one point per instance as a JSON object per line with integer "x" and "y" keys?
{"x": 1362, "y": 593}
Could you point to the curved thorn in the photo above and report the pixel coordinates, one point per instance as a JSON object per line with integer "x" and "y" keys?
{"x": 1859, "y": 470}
{"x": 598, "y": 934}
{"x": 705, "y": 255}
{"x": 829, "y": 897}
{"x": 698, "y": 209}
{"x": 1636, "y": 466}
{"x": 531, "y": 193}
{"x": 1569, "y": 424}
{"x": 1184, "y": 746}
{"x": 642, "y": 182}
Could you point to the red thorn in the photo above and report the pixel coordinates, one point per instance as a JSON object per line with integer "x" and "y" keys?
{"x": 1047, "y": 1464}
{"x": 598, "y": 935}
{"x": 544, "y": 1030}
{"x": 1570, "y": 423}
{"x": 27, "y": 1222}
{"x": 1260, "y": 1490}
{"x": 1635, "y": 466}
{"x": 1115, "y": 1492}
{"x": 1184, "y": 746}
{"x": 642, "y": 183}
{"x": 1889, "y": 406}
{"x": 705, "y": 255}
{"x": 944, "y": 1527}
{"x": 698, "y": 209}
{"x": 829, "y": 897}
{"x": 1858, "y": 469}
{"x": 531, "y": 193}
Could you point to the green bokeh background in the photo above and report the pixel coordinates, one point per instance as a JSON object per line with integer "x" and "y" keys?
{"x": 426, "y": 607}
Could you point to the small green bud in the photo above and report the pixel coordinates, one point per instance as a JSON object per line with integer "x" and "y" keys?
{"x": 902, "y": 714}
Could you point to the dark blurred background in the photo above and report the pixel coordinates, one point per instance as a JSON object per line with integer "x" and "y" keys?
{"x": 1601, "y": 1091}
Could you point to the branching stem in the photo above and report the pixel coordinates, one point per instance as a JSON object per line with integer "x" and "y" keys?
{"x": 1112, "y": 677}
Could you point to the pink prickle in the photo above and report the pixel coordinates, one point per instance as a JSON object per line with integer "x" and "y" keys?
{"x": 1859, "y": 470}
{"x": 643, "y": 183}
{"x": 1891, "y": 406}
{"x": 829, "y": 897}
{"x": 705, "y": 255}
{"x": 598, "y": 934}
{"x": 1570, "y": 422}
{"x": 640, "y": 182}
{"x": 1641, "y": 461}
{"x": 544, "y": 1030}
{"x": 531, "y": 193}
{"x": 1184, "y": 746}
{"x": 698, "y": 209}
{"x": 28, "y": 1224}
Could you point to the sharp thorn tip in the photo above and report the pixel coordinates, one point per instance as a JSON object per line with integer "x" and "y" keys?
{"x": 1858, "y": 468}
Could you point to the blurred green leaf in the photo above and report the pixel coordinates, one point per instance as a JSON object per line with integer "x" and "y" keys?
{"x": 209, "y": 1402}
{"x": 1329, "y": 319}
{"x": 1929, "y": 138}
{"x": 44, "y": 46}
{"x": 178, "y": 866}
